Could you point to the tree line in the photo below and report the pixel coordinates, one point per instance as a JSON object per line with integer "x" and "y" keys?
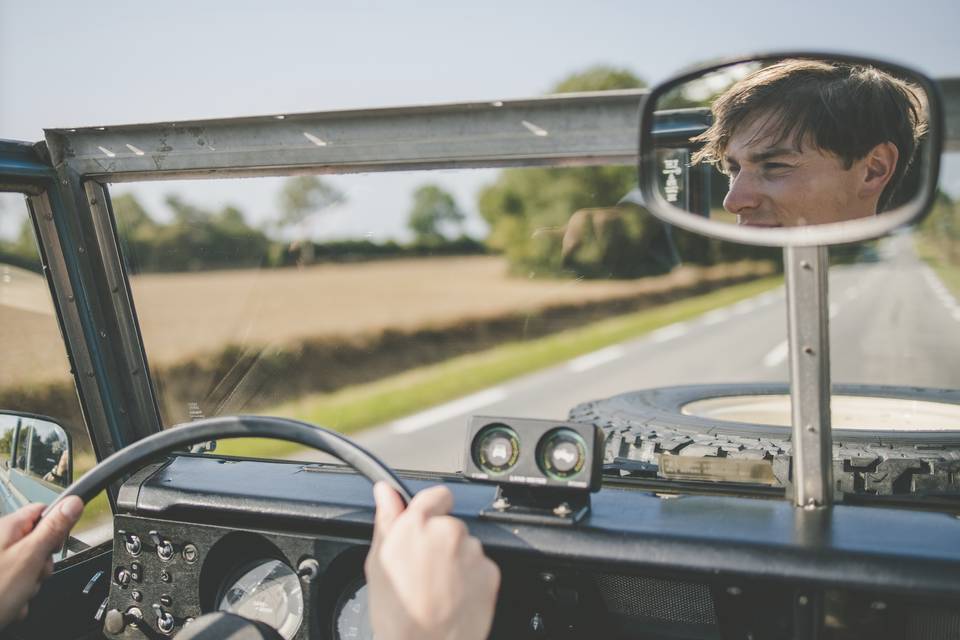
{"x": 555, "y": 222}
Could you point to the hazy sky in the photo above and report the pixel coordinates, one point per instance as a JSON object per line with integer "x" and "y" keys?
{"x": 69, "y": 63}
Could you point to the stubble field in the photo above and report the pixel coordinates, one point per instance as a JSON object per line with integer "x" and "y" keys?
{"x": 187, "y": 316}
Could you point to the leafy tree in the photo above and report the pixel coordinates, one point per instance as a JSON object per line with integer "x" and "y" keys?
{"x": 303, "y": 196}
{"x": 196, "y": 238}
{"x": 599, "y": 78}
{"x": 300, "y": 198}
{"x": 6, "y": 441}
{"x": 565, "y": 221}
{"x": 433, "y": 209}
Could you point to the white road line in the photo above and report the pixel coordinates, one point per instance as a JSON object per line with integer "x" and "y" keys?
{"x": 595, "y": 359}
{"x": 744, "y": 306}
{"x": 770, "y": 297}
{"x": 941, "y": 292}
{"x": 670, "y": 332}
{"x": 449, "y": 410}
{"x": 716, "y": 316}
{"x": 777, "y": 355}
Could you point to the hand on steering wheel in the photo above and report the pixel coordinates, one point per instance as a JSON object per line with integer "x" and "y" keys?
{"x": 130, "y": 458}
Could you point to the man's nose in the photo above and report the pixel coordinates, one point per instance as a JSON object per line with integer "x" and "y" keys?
{"x": 743, "y": 194}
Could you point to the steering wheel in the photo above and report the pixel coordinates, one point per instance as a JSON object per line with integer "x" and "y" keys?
{"x": 213, "y": 625}
{"x": 134, "y": 456}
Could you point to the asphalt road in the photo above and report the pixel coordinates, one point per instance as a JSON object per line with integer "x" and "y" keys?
{"x": 892, "y": 322}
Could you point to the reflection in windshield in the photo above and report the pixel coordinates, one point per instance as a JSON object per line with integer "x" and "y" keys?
{"x": 520, "y": 292}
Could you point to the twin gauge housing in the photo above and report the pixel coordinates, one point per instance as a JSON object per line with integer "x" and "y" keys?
{"x": 541, "y": 453}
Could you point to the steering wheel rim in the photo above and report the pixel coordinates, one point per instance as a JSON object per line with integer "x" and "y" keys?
{"x": 135, "y": 455}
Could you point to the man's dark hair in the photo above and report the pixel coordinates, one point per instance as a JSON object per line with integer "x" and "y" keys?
{"x": 838, "y": 107}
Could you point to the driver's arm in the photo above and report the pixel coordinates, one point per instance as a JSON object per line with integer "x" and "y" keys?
{"x": 26, "y": 550}
{"x": 428, "y": 577}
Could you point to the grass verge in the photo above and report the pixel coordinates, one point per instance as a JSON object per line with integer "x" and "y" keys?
{"x": 354, "y": 408}
{"x": 948, "y": 272}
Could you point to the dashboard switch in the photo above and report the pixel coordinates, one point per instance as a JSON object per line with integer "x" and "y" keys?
{"x": 165, "y": 621}
{"x": 131, "y": 542}
{"x": 536, "y": 625}
{"x": 164, "y": 547}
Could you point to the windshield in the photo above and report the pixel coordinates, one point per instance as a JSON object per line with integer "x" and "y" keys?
{"x": 393, "y": 306}
{"x": 37, "y": 392}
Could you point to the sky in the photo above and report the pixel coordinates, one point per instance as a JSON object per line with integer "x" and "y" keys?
{"x": 68, "y": 63}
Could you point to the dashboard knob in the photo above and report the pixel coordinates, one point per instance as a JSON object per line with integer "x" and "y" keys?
{"x": 308, "y": 570}
{"x": 123, "y": 577}
{"x": 114, "y": 623}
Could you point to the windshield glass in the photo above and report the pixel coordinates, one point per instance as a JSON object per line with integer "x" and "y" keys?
{"x": 393, "y": 306}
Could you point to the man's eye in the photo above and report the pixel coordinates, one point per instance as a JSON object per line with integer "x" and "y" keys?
{"x": 774, "y": 166}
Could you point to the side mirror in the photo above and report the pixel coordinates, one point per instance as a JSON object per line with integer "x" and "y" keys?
{"x": 792, "y": 149}
{"x": 41, "y": 452}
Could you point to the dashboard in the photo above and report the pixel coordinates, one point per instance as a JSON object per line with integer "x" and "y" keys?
{"x": 284, "y": 543}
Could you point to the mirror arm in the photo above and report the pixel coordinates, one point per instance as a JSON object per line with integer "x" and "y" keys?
{"x": 809, "y": 337}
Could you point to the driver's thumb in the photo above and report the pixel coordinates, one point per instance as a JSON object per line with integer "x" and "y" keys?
{"x": 51, "y": 531}
{"x": 389, "y": 507}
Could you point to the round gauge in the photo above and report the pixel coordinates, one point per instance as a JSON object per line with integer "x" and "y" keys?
{"x": 562, "y": 453}
{"x": 496, "y": 448}
{"x": 352, "y": 615}
{"x": 268, "y": 591}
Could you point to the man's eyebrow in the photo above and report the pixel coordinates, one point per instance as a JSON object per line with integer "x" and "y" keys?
{"x": 760, "y": 156}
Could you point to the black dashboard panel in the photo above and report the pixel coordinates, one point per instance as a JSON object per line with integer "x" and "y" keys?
{"x": 639, "y": 565}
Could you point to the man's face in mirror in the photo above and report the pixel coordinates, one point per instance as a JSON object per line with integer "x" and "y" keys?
{"x": 779, "y": 183}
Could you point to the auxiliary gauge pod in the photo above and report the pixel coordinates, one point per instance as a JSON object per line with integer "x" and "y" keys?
{"x": 544, "y": 470}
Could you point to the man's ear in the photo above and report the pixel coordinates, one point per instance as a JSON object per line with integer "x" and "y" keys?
{"x": 878, "y": 167}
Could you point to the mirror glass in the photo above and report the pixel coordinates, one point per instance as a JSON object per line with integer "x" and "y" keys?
{"x": 790, "y": 142}
{"x": 35, "y": 460}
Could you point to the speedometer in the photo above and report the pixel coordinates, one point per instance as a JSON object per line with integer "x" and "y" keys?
{"x": 352, "y": 614}
{"x": 268, "y": 591}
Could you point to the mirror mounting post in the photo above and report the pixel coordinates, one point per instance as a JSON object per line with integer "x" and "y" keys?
{"x": 809, "y": 336}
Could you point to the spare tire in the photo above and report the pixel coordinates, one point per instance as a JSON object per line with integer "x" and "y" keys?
{"x": 643, "y": 426}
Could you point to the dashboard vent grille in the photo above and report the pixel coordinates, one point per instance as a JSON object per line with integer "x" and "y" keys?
{"x": 932, "y": 624}
{"x": 668, "y": 600}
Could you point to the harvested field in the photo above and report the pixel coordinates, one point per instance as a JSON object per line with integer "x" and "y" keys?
{"x": 185, "y": 315}
{"x": 236, "y": 339}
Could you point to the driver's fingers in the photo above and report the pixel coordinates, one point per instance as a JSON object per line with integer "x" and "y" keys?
{"x": 435, "y": 501}
{"x": 389, "y": 507}
{"x": 18, "y": 524}
{"x": 49, "y": 534}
